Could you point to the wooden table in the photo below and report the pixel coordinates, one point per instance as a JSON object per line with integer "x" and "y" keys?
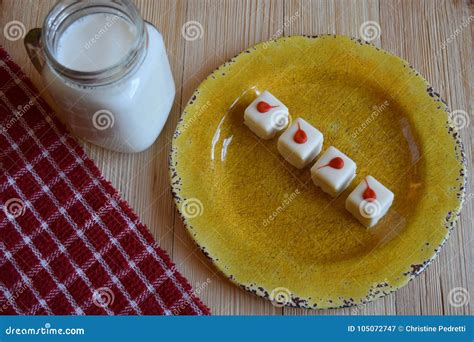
{"x": 434, "y": 36}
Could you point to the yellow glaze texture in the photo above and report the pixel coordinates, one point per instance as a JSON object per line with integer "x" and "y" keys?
{"x": 263, "y": 222}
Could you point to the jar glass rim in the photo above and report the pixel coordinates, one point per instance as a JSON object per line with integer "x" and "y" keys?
{"x": 66, "y": 12}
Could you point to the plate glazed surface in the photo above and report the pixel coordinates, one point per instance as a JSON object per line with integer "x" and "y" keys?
{"x": 263, "y": 222}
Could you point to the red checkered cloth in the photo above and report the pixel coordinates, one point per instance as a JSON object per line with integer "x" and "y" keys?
{"x": 68, "y": 243}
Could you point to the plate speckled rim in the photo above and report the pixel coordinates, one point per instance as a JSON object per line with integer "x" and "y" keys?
{"x": 377, "y": 290}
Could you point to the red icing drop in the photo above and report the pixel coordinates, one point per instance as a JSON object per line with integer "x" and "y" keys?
{"x": 300, "y": 136}
{"x": 335, "y": 163}
{"x": 264, "y": 107}
{"x": 369, "y": 193}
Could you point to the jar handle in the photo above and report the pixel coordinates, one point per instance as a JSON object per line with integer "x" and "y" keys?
{"x": 33, "y": 47}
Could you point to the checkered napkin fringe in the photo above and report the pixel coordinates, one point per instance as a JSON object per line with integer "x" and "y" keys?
{"x": 68, "y": 243}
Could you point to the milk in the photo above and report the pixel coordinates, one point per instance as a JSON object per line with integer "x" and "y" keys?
{"x": 128, "y": 114}
{"x": 95, "y": 42}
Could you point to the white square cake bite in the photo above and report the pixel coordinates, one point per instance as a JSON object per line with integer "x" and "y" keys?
{"x": 333, "y": 172}
{"x": 266, "y": 116}
{"x": 300, "y": 143}
{"x": 369, "y": 201}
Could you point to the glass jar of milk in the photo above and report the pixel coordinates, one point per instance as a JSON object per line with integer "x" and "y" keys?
{"x": 107, "y": 71}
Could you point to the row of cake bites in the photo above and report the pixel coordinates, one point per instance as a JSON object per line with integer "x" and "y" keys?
{"x": 333, "y": 172}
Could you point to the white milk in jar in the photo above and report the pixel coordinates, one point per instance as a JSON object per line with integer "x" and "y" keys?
{"x": 111, "y": 82}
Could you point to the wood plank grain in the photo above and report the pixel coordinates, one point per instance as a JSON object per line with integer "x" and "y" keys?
{"x": 334, "y": 17}
{"x": 434, "y": 36}
{"x": 31, "y": 14}
{"x": 396, "y": 35}
{"x": 228, "y": 28}
{"x": 143, "y": 178}
{"x": 449, "y": 26}
{"x": 417, "y": 31}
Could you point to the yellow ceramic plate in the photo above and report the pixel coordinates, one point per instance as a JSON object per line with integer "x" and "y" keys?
{"x": 263, "y": 222}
